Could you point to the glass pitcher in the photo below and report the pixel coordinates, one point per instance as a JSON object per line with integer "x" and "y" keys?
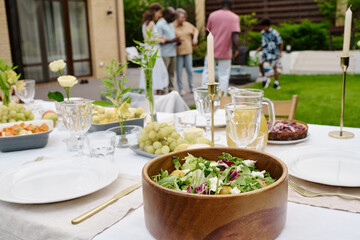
{"x": 257, "y": 96}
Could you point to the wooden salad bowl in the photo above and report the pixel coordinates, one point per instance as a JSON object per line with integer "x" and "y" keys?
{"x": 259, "y": 214}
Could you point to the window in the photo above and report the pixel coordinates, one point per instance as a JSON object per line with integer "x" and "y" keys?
{"x": 49, "y": 30}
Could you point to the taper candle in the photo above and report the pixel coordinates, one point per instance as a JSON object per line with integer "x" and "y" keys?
{"x": 210, "y": 56}
{"x": 347, "y": 33}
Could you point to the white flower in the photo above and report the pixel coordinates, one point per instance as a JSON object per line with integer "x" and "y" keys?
{"x": 57, "y": 65}
{"x": 358, "y": 43}
{"x": 258, "y": 174}
{"x": 249, "y": 163}
{"x": 235, "y": 190}
{"x": 67, "y": 81}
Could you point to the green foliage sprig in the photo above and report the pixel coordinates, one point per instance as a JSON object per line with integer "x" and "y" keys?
{"x": 114, "y": 87}
{"x": 115, "y": 91}
{"x": 8, "y": 76}
{"x": 147, "y": 50}
{"x": 147, "y": 60}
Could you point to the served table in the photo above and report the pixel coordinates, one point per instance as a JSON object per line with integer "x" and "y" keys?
{"x": 303, "y": 222}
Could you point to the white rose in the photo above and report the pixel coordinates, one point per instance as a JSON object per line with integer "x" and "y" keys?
{"x": 67, "y": 81}
{"x": 57, "y": 65}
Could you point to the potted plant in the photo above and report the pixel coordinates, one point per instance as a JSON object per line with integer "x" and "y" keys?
{"x": 250, "y": 39}
{"x": 252, "y": 67}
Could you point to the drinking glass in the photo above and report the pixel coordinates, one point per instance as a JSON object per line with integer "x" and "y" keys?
{"x": 76, "y": 116}
{"x": 203, "y": 105}
{"x": 243, "y": 122}
{"x": 185, "y": 120}
{"x": 101, "y": 144}
{"x": 27, "y": 92}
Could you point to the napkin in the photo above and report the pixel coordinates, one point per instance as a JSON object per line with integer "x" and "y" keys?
{"x": 53, "y": 221}
{"x": 333, "y": 202}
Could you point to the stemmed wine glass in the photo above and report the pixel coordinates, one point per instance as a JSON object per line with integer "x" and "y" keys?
{"x": 243, "y": 122}
{"x": 76, "y": 116}
{"x": 203, "y": 105}
{"x": 27, "y": 92}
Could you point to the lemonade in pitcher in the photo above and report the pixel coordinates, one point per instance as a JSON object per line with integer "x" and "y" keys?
{"x": 263, "y": 129}
{"x": 253, "y": 95}
{"x": 243, "y": 122}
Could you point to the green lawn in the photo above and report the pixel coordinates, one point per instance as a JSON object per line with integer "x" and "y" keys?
{"x": 319, "y": 99}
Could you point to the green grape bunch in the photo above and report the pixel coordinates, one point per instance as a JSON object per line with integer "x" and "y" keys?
{"x": 15, "y": 112}
{"x": 159, "y": 138}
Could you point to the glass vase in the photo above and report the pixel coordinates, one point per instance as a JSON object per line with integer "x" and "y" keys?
{"x": 149, "y": 95}
{"x": 5, "y": 96}
{"x": 132, "y": 133}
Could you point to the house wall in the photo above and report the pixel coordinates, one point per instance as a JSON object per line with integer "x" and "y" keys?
{"x": 103, "y": 35}
{"x": 5, "y": 52}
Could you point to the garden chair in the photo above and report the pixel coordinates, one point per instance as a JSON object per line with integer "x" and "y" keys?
{"x": 283, "y": 109}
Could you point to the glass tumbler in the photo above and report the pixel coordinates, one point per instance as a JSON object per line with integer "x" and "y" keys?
{"x": 76, "y": 116}
{"x": 243, "y": 122}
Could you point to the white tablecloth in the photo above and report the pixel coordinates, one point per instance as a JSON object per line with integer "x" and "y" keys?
{"x": 303, "y": 222}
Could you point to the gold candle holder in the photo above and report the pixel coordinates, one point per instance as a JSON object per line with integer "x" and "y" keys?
{"x": 344, "y": 63}
{"x": 212, "y": 90}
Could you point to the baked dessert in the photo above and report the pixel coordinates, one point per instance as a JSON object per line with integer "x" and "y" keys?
{"x": 288, "y": 130}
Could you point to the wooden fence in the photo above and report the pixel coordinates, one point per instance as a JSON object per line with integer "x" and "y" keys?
{"x": 276, "y": 10}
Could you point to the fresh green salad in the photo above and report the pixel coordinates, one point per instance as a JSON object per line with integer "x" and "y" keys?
{"x": 228, "y": 175}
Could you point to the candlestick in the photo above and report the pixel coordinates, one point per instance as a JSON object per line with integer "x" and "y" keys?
{"x": 344, "y": 62}
{"x": 212, "y": 90}
{"x": 210, "y": 57}
{"x": 347, "y": 32}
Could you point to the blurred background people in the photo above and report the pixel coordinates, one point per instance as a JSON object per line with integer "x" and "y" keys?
{"x": 224, "y": 25}
{"x": 271, "y": 47}
{"x": 160, "y": 76}
{"x": 188, "y": 35}
{"x": 168, "y": 47}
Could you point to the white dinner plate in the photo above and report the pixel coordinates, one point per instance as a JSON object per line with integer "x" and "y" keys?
{"x": 289, "y": 142}
{"x": 219, "y": 116}
{"x": 56, "y": 179}
{"x": 330, "y": 166}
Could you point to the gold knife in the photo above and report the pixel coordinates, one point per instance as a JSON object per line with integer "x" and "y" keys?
{"x": 119, "y": 195}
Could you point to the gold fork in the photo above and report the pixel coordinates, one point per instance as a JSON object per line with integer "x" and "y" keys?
{"x": 307, "y": 193}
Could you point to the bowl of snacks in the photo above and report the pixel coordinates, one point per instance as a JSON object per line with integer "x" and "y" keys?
{"x": 24, "y": 135}
{"x": 215, "y": 193}
{"x": 104, "y": 118}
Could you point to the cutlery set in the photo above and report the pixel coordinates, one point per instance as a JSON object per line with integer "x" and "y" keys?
{"x": 97, "y": 209}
